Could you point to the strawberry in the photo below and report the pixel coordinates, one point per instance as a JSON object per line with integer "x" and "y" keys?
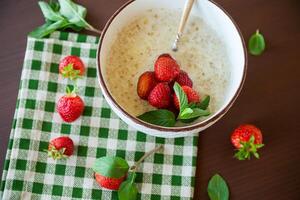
{"x": 70, "y": 106}
{"x": 159, "y": 97}
{"x": 247, "y": 139}
{"x": 192, "y": 96}
{"x": 166, "y": 68}
{"x": 145, "y": 84}
{"x": 60, "y": 147}
{"x": 71, "y": 67}
{"x": 184, "y": 79}
{"x": 109, "y": 183}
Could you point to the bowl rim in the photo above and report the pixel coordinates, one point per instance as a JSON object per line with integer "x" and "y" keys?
{"x": 191, "y": 127}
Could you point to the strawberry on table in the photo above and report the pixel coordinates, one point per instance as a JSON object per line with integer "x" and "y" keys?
{"x": 71, "y": 67}
{"x": 166, "y": 68}
{"x": 61, "y": 147}
{"x": 192, "y": 96}
{"x": 160, "y": 96}
{"x": 145, "y": 84}
{"x": 70, "y": 106}
{"x": 247, "y": 139}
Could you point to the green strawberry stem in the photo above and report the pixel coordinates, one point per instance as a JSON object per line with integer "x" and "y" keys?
{"x": 70, "y": 92}
{"x": 137, "y": 164}
{"x": 247, "y": 149}
{"x": 56, "y": 154}
{"x": 71, "y": 73}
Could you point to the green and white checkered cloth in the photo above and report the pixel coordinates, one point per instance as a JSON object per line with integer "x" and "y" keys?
{"x": 30, "y": 174}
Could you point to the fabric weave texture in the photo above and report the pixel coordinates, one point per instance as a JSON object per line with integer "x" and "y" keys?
{"x": 30, "y": 174}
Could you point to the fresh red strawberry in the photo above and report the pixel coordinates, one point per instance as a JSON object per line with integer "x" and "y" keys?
{"x": 192, "y": 96}
{"x": 159, "y": 97}
{"x": 166, "y": 68}
{"x": 70, "y": 106}
{"x": 247, "y": 139}
{"x": 184, "y": 79}
{"x": 109, "y": 183}
{"x": 145, "y": 84}
{"x": 71, "y": 67}
{"x": 60, "y": 147}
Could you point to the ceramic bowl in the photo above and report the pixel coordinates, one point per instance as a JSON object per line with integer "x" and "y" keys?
{"x": 217, "y": 18}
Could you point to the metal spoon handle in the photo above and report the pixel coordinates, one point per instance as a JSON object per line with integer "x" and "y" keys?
{"x": 186, "y": 12}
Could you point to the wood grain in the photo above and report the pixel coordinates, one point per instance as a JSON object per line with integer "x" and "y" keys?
{"x": 270, "y": 98}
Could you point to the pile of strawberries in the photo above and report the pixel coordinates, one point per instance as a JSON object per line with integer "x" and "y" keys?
{"x": 157, "y": 86}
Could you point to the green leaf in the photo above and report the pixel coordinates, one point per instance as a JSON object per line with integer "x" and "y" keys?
{"x": 73, "y": 27}
{"x": 47, "y": 28}
{"x": 49, "y": 13}
{"x": 197, "y": 112}
{"x": 187, "y": 111}
{"x": 247, "y": 149}
{"x": 204, "y": 103}
{"x": 74, "y": 13}
{"x": 159, "y": 117}
{"x": 113, "y": 167}
{"x": 128, "y": 189}
{"x": 217, "y": 188}
{"x": 54, "y": 5}
{"x": 183, "y": 100}
{"x": 256, "y": 44}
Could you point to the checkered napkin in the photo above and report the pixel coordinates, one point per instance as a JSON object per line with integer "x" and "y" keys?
{"x": 30, "y": 174}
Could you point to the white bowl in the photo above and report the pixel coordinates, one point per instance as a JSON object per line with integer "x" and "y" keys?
{"x": 217, "y": 18}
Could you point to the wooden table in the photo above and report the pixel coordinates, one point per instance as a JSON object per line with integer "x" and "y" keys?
{"x": 270, "y": 97}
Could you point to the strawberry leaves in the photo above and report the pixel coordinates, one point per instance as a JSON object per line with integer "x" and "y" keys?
{"x": 114, "y": 167}
{"x": 159, "y": 117}
{"x": 128, "y": 189}
{"x": 56, "y": 154}
{"x": 248, "y": 148}
{"x": 70, "y": 72}
{"x": 190, "y": 112}
{"x": 62, "y": 15}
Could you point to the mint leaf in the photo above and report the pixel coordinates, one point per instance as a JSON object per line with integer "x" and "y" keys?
{"x": 128, "y": 189}
{"x": 113, "y": 167}
{"x": 187, "y": 111}
{"x": 256, "y": 44}
{"x": 197, "y": 112}
{"x": 217, "y": 188}
{"x": 74, "y": 13}
{"x": 47, "y": 28}
{"x": 62, "y": 15}
{"x": 49, "y": 12}
{"x": 183, "y": 100}
{"x": 204, "y": 103}
{"x": 159, "y": 117}
{"x": 54, "y": 5}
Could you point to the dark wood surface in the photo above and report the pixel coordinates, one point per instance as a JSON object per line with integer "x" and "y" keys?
{"x": 270, "y": 97}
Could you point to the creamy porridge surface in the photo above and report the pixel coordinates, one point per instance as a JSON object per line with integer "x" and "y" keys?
{"x": 201, "y": 54}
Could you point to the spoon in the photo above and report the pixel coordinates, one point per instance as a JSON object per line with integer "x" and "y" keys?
{"x": 186, "y": 12}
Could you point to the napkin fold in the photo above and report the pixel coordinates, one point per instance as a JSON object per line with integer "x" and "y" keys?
{"x": 30, "y": 174}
